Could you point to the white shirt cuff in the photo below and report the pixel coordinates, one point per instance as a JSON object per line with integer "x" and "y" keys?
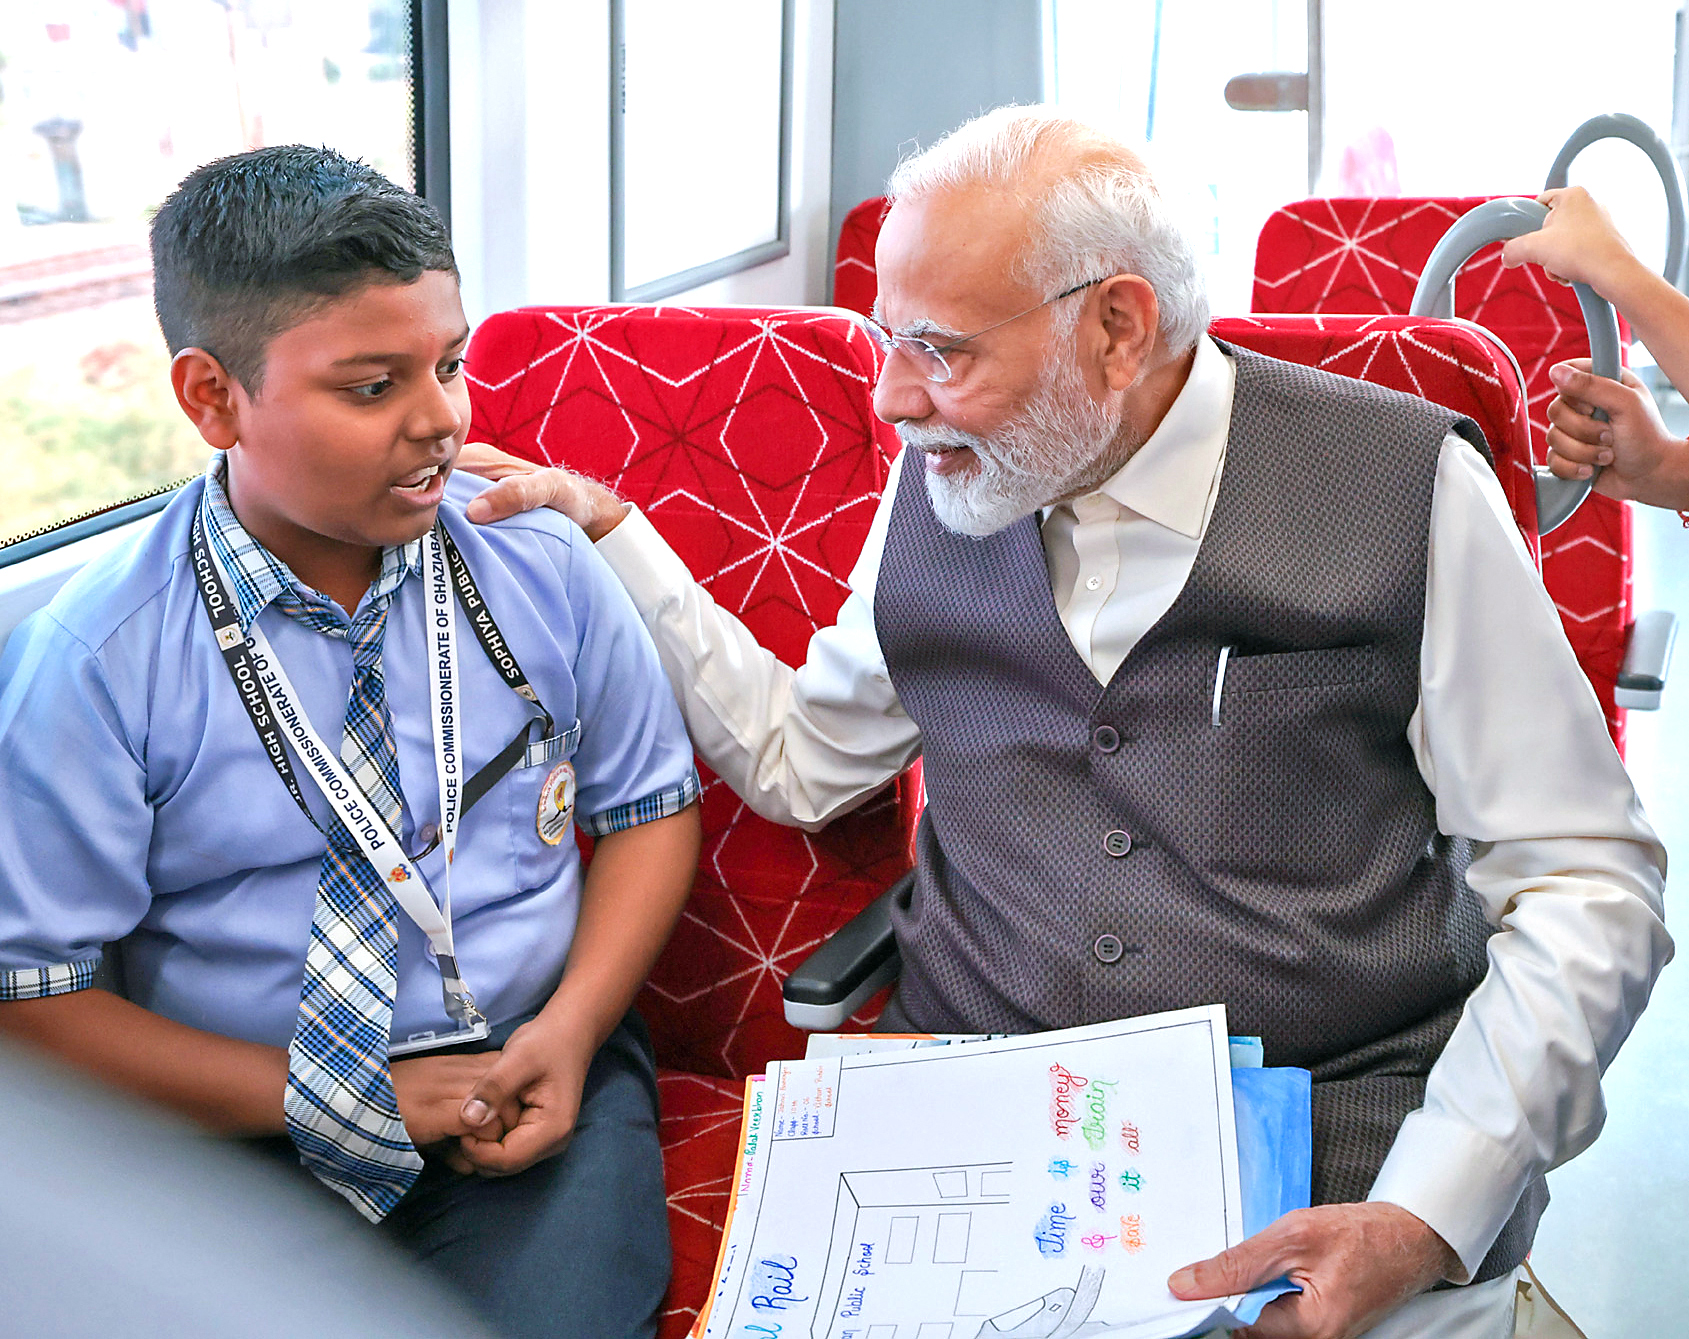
{"x": 643, "y": 562}
{"x": 1462, "y": 1185}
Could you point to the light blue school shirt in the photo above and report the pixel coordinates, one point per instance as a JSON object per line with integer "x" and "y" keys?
{"x": 140, "y": 805}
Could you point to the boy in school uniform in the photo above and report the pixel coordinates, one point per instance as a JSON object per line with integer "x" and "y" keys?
{"x": 316, "y": 749}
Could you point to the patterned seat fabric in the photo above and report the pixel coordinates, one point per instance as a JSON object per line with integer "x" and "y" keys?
{"x": 855, "y": 282}
{"x": 748, "y": 439}
{"x": 1365, "y": 256}
{"x": 1452, "y": 363}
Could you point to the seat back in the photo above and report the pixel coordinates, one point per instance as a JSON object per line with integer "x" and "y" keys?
{"x": 855, "y": 281}
{"x": 1456, "y": 364}
{"x": 746, "y": 435}
{"x": 1337, "y": 256}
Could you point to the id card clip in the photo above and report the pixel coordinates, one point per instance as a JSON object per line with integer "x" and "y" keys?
{"x": 433, "y": 1041}
{"x": 460, "y": 1006}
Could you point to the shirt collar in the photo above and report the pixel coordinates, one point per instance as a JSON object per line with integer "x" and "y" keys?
{"x": 1170, "y": 479}
{"x": 258, "y": 576}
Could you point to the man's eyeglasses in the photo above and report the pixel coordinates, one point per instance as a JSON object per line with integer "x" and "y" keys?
{"x": 929, "y": 357}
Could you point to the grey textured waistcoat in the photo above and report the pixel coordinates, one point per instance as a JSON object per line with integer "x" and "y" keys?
{"x": 1094, "y": 852}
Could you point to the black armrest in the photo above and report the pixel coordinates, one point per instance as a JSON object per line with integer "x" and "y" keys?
{"x": 843, "y": 974}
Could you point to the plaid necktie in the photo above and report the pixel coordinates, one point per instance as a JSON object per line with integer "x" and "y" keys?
{"x": 341, "y": 1110}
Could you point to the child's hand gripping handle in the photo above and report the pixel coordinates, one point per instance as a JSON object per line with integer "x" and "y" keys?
{"x": 1619, "y": 125}
{"x": 1497, "y": 221}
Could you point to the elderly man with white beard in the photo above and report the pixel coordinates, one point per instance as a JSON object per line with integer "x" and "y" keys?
{"x": 1233, "y": 683}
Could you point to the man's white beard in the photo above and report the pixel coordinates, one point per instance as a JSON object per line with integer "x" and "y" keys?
{"x": 1062, "y": 444}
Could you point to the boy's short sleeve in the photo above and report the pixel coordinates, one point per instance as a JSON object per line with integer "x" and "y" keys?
{"x": 75, "y": 827}
{"x": 634, "y": 763}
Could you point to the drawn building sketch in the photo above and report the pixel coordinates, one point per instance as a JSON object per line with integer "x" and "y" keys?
{"x": 905, "y": 1237}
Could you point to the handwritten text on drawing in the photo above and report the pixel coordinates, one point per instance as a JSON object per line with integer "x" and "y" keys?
{"x": 1051, "y": 1232}
{"x": 1095, "y": 1125}
{"x": 772, "y": 1281}
{"x": 1064, "y": 1085}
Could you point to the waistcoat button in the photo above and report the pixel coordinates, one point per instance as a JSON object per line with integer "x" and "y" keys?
{"x": 1106, "y": 738}
{"x": 1117, "y": 843}
{"x": 1108, "y": 948}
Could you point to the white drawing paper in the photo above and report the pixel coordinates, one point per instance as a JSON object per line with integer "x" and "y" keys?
{"x": 1041, "y": 1186}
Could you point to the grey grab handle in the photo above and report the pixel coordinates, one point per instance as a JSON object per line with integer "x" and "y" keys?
{"x": 1620, "y": 125}
{"x": 1647, "y": 661}
{"x": 1497, "y": 221}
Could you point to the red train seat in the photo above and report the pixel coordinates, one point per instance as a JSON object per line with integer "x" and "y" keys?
{"x": 748, "y": 439}
{"x": 1365, "y": 256}
{"x": 855, "y": 281}
{"x": 1456, "y": 364}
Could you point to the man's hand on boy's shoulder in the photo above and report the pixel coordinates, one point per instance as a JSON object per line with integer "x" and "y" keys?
{"x": 529, "y": 1101}
{"x": 521, "y": 485}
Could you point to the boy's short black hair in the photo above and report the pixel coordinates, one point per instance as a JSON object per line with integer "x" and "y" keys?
{"x": 247, "y": 245}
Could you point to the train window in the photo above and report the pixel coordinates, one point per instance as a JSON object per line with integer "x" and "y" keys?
{"x": 1476, "y": 99}
{"x": 104, "y": 106}
{"x": 1456, "y": 98}
{"x": 1233, "y": 167}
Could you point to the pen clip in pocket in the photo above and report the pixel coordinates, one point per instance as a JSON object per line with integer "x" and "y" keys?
{"x": 1220, "y": 682}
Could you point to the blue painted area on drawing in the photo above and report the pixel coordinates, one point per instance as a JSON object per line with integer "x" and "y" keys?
{"x": 1274, "y": 1142}
{"x": 1051, "y": 1232}
{"x": 1275, "y": 1157}
{"x": 1060, "y": 1168}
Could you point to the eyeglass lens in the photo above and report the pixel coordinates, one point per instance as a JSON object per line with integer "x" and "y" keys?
{"x": 928, "y": 361}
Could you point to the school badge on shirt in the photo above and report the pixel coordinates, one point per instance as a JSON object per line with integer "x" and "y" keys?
{"x": 557, "y": 804}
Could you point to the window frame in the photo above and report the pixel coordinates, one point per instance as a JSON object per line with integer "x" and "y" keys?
{"x": 431, "y": 110}
{"x": 681, "y": 280}
{"x": 88, "y": 524}
{"x": 431, "y": 168}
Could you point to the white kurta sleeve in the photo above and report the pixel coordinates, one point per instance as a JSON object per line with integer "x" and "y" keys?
{"x": 800, "y": 746}
{"x": 1510, "y": 739}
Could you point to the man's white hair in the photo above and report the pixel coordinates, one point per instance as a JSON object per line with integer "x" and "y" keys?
{"x": 1102, "y": 215}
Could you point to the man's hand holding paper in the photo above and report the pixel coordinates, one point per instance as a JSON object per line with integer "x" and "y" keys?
{"x": 1354, "y": 1264}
